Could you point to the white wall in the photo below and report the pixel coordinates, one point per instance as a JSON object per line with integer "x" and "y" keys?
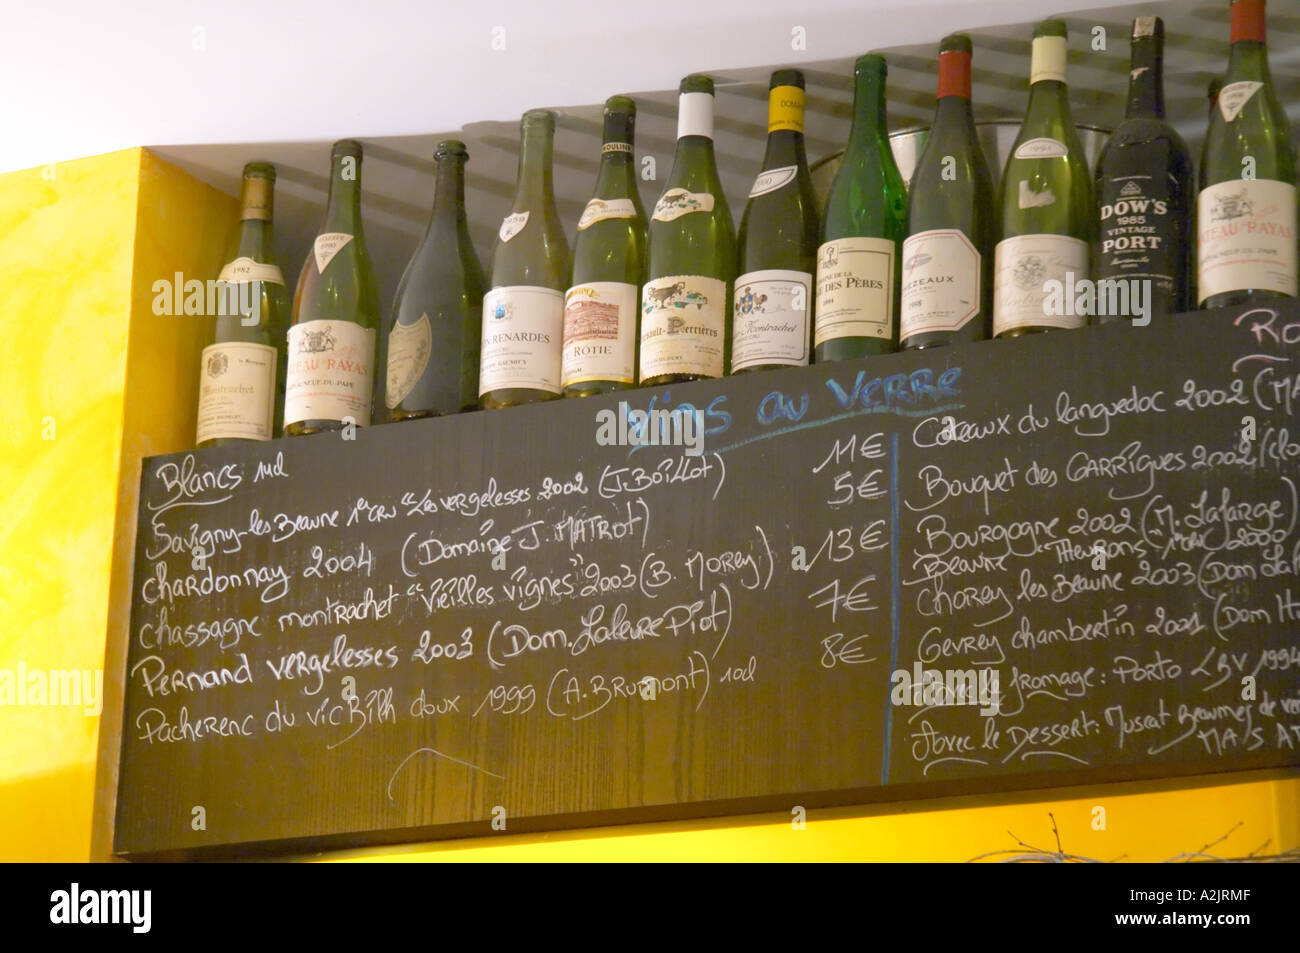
{"x": 80, "y": 77}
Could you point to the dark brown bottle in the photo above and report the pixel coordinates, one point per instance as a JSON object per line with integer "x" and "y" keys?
{"x": 1143, "y": 187}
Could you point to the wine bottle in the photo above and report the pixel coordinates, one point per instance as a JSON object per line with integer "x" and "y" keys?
{"x": 242, "y": 369}
{"x": 690, "y": 257}
{"x": 433, "y": 344}
{"x": 947, "y": 288}
{"x": 1045, "y": 204}
{"x": 601, "y": 307}
{"x": 1144, "y": 188}
{"x": 858, "y": 263}
{"x": 772, "y": 310}
{"x": 329, "y": 384}
{"x": 523, "y": 313}
{"x": 1246, "y": 208}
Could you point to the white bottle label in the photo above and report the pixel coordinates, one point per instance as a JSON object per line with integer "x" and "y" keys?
{"x": 1047, "y": 57}
{"x": 512, "y": 225}
{"x": 1235, "y": 95}
{"x": 1042, "y": 148}
{"x": 409, "y": 347}
{"x": 327, "y": 246}
{"x": 1246, "y": 232}
{"x": 695, "y": 115}
{"x": 773, "y": 179}
{"x": 331, "y": 366}
{"x": 1022, "y": 266}
{"x": 855, "y": 289}
{"x": 236, "y": 392}
{"x": 683, "y": 326}
{"x": 245, "y": 269}
{"x": 523, "y": 327}
{"x": 675, "y": 203}
{"x": 598, "y": 210}
{"x": 770, "y": 324}
{"x": 600, "y": 333}
{"x": 941, "y": 282}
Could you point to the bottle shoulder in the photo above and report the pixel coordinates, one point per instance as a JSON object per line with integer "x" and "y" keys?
{"x": 779, "y": 229}
{"x": 1141, "y": 130}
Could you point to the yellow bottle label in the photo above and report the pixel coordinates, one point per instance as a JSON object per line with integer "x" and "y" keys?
{"x": 785, "y": 109}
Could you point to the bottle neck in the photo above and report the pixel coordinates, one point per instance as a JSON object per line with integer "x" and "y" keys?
{"x": 616, "y": 178}
{"x": 1247, "y": 60}
{"x": 785, "y": 147}
{"x": 256, "y": 206}
{"x": 1048, "y": 100}
{"x": 617, "y": 175}
{"x": 1048, "y": 96}
{"x": 694, "y": 133}
{"x": 534, "y": 189}
{"x": 693, "y": 162}
{"x": 954, "y": 111}
{"x": 344, "y": 212}
{"x": 448, "y": 196}
{"x": 1248, "y": 57}
{"x": 254, "y": 239}
{"x": 869, "y": 123}
{"x": 1146, "y": 84}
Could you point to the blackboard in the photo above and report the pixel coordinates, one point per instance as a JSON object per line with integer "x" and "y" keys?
{"x": 511, "y": 621}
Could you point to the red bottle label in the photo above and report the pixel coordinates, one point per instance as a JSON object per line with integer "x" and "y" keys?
{"x": 1247, "y": 21}
{"x": 954, "y": 74}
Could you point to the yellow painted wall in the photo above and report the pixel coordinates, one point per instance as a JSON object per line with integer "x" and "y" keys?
{"x": 76, "y": 239}
{"x": 80, "y": 246}
{"x": 65, "y": 277}
{"x": 182, "y": 225}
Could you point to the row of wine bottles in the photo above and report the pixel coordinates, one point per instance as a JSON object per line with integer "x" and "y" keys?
{"x": 683, "y": 296}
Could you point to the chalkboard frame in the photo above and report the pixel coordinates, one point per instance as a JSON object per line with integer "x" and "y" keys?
{"x": 1193, "y": 331}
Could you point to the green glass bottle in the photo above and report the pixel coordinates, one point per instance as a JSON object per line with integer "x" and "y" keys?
{"x": 858, "y": 263}
{"x": 523, "y": 313}
{"x": 1045, "y": 207}
{"x": 602, "y": 304}
{"x": 330, "y": 380}
{"x": 433, "y": 344}
{"x": 947, "y": 287}
{"x": 1246, "y": 207}
{"x": 691, "y": 256}
{"x": 242, "y": 369}
{"x": 773, "y": 301}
